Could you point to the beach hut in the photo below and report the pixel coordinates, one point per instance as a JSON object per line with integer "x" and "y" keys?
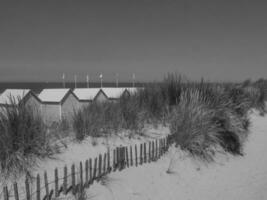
{"x": 58, "y": 104}
{"x": 89, "y": 95}
{"x": 114, "y": 94}
{"x": 15, "y": 97}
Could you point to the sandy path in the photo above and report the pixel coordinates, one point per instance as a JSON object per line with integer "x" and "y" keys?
{"x": 229, "y": 178}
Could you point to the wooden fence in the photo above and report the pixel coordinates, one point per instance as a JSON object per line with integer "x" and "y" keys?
{"x": 75, "y": 178}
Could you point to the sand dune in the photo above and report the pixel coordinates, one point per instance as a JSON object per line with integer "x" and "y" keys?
{"x": 228, "y": 178}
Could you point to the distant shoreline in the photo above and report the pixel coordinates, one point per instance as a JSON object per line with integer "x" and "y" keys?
{"x": 36, "y": 86}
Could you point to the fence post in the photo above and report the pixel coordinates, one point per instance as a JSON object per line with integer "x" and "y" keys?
{"x": 141, "y": 152}
{"x": 95, "y": 168}
{"x": 73, "y": 178}
{"x": 127, "y": 156}
{"x": 145, "y": 153}
{"x": 131, "y": 155}
{"x": 105, "y": 163}
{"x": 6, "y": 195}
{"x": 38, "y": 192}
{"x": 123, "y": 160}
{"x": 90, "y": 171}
{"x": 56, "y": 182}
{"x": 46, "y": 184}
{"x": 136, "y": 158}
{"x": 114, "y": 159}
{"x": 149, "y": 151}
{"x": 108, "y": 170}
{"x": 81, "y": 174}
{"x": 99, "y": 166}
{"x": 16, "y": 193}
{"x": 161, "y": 147}
{"x": 156, "y": 150}
{"x": 27, "y": 187}
{"x": 86, "y": 173}
{"x": 153, "y": 150}
{"x": 65, "y": 180}
{"x": 118, "y": 157}
{"x": 166, "y": 144}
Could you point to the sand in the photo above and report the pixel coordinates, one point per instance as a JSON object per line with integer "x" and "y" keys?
{"x": 177, "y": 175}
{"x": 231, "y": 178}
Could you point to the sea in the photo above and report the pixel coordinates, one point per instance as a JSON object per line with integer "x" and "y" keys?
{"x": 38, "y": 86}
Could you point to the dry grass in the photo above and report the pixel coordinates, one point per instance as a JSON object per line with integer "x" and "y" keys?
{"x": 23, "y": 139}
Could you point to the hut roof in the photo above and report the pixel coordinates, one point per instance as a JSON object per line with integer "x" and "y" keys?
{"x": 86, "y": 93}
{"x": 113, "y": 93}
{"x": 10, "y": 96}
{"x": 53, "y": 95}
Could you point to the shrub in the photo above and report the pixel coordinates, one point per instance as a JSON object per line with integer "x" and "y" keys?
{"x": 209, "y": 116}
{"x": 192, "y": 127}
{"x": 88, "y": 121}
{"x": 22, "y": 138}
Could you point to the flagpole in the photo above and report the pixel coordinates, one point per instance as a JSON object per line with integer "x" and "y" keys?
{"x": 117, "y": 80}
{"x": 87, "y": 80}
{"x": 63, "y": 80}
{"x": 101, "y": 76}
{"x": 75, "y": 81}
{"x": 133, "y": 80}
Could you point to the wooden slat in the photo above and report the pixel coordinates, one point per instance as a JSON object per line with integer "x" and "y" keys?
{"x": 156, "y": 150}
{"x": 38, "y": 191}
{"x": 108, "y": 161}
{"x": 141, "y": 154}
{"x": 86, "y": 173}
{"x": 99, "y": 165}
{"x": 27, "y": 187}
{"x": 16, "y": 193}
{"x": 136, "y": 157}
{"x": 114, "y": 159}
{"x": 105, "y": 163}
{"x": 118, "y": 157}
{"x": 56, "y": 182}
{"x": 145, "y": 153}
{"x": 81, "y": 174}
{"x": 95, "y": 169}
{"x": 149, "y": 152}
{"x": 6, "y": 195}
{"x": 131, "y": 155}
{"x": 90, "y": 170}
{"x": 73, "y": 179}
{"x": 153, "y": 151}
{"x": 46, "y": 184}
{"x": 65, "y": 180}
{"x": 127, "y": 156}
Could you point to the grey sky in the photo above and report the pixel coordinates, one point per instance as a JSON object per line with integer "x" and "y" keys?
{"x": 219, "y": 40}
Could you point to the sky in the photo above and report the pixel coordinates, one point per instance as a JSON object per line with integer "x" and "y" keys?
{"x": 218, "y": 40}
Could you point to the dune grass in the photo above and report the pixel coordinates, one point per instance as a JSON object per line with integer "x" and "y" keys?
{"x": 23, "y": 139}
{"x": 202, "y": 116}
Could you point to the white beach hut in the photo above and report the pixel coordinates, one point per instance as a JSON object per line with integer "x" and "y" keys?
{"x": 14, "y": 97}
{"x": 114, "y": 94}
{"x": 58, "y": 104}
{"x": 88, "y": 95}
